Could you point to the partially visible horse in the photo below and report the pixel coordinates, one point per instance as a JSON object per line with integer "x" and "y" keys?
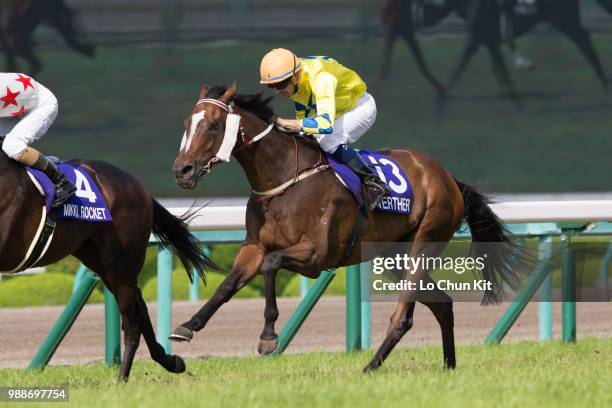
{"x": 19, "y": 19}
{"x": 114, "y": 250}
{"x": 306, "y": 226}
{"x": 483, "y": 21}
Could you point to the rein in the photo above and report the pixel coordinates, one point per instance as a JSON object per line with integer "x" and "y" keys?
{"x": 231, "y": 130}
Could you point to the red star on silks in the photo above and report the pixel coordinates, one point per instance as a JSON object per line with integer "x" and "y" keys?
{"x": 25, "y": 81}
{"x": 19, "y": 112}
{"x": 9, "y": 98}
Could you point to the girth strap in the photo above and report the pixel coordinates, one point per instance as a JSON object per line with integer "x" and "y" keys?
{"x": 355, "y": 236}
{"x": 44, "y": 240}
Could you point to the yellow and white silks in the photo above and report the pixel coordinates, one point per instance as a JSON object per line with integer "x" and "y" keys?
{"x": 332, "y": 103}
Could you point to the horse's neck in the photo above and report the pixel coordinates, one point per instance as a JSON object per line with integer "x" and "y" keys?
{"x": 271, "y": 161}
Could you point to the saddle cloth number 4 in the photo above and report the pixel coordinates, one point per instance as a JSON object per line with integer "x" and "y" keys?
{"x": 83, "y": 188}
{"x": 399, "y": 184}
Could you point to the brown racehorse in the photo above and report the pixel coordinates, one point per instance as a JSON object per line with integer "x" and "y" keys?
{"x": 19, "y": 19}
{"x": 306, "y": 227}
{"x": 114, "y": 250}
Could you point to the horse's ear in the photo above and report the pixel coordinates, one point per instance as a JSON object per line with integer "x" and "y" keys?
{"x": 230, "y": 94}
{"x": 203, "y": 91}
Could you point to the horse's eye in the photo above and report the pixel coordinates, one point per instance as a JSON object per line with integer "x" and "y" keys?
{"x": 213, "y": 127}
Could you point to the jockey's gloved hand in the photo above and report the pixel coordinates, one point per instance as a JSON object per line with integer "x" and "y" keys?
{"x": 281, "y": 127}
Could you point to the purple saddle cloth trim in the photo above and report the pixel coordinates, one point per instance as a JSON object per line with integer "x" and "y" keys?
{"x": 400, "y": 198}
{"x": 87, "y": 204}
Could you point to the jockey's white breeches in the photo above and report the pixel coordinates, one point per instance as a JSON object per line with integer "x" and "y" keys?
{"x": 349, "y": 127}
{"x": 18, "y": 133}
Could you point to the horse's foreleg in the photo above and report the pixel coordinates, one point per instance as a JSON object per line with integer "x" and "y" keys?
{"x": 268, "y": 341}
{"x": 246, "y": 266}
{"x": 298, "y": 254}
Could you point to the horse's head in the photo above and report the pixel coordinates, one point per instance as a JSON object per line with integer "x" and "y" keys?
{"x": 206, "y": 141}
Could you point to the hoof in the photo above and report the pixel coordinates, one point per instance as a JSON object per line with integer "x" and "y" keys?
{"x": 179, "y": 365}
{"x": 370, "y": 368}
{"x": 181, "y": 333}
{"x": 267, "y": 347}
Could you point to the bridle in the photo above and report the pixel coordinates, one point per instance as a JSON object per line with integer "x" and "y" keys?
{"x": 228, "y": 148}
{"x": 230, "y": 127}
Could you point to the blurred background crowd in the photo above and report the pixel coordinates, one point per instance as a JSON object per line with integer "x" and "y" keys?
{"x": 127, "y": 73}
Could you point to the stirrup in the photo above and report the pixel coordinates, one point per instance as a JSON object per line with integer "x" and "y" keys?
{"x": 63, "y": 191}
{"x": 374, "y": 194}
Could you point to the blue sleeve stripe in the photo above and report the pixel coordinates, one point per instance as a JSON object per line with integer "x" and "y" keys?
{"x": 326, "y": 131}
{"x": 310, "y": 123}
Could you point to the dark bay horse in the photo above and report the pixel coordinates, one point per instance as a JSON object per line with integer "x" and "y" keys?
{"x": 305, "y": 226}
{"x": 483, "y": 21}
{"x": 19, "y": 19}
{"x": 114, "y": 250}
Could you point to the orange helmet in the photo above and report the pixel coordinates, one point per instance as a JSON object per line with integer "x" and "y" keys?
{"x": 278, "y": 65}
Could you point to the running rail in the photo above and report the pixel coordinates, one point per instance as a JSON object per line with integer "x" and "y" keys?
{"x": 224, "y": 218}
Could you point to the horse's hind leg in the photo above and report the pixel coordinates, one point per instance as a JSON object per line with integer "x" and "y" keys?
{"x": 172, "y": 363}
{"x": 123, "y": 287}
{"x": 130, "y": 323}
{"x": 441, "y": 306}
{"x": 401, "y": 322}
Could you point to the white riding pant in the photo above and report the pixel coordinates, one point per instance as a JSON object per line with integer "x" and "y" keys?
{"x": 349, "y": 127}
{"x": 18, "y": 133}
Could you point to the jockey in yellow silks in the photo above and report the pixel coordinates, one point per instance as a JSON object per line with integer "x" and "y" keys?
{"x": 27, "y": 111}
{"x": 331, "y": 104}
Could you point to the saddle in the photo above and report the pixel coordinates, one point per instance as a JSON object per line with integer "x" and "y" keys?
{"x": 87, "y": 204}
{"x": 401, "y": 196}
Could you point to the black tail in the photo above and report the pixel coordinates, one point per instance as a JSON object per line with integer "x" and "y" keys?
{"x": 504, "y": 263}
{"x": 173, "y": 233}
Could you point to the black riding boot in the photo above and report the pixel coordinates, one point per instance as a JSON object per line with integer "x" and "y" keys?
{"x": 375, "y": 189}
{"x": 63, "y": 187}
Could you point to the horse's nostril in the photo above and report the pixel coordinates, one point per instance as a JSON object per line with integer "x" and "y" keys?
{"x": 187, "y": 170}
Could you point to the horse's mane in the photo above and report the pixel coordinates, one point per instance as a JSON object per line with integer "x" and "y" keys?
{"x": 254, "y": 103}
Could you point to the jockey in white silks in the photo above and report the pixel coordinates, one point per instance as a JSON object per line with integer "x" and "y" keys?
{"x": 27, "y": 110}
{"x": 331, "y": 104}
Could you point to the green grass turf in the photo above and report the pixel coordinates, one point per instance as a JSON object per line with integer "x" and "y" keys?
{"x": 525, "y": 374}
{"x": 127, "y": 109}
